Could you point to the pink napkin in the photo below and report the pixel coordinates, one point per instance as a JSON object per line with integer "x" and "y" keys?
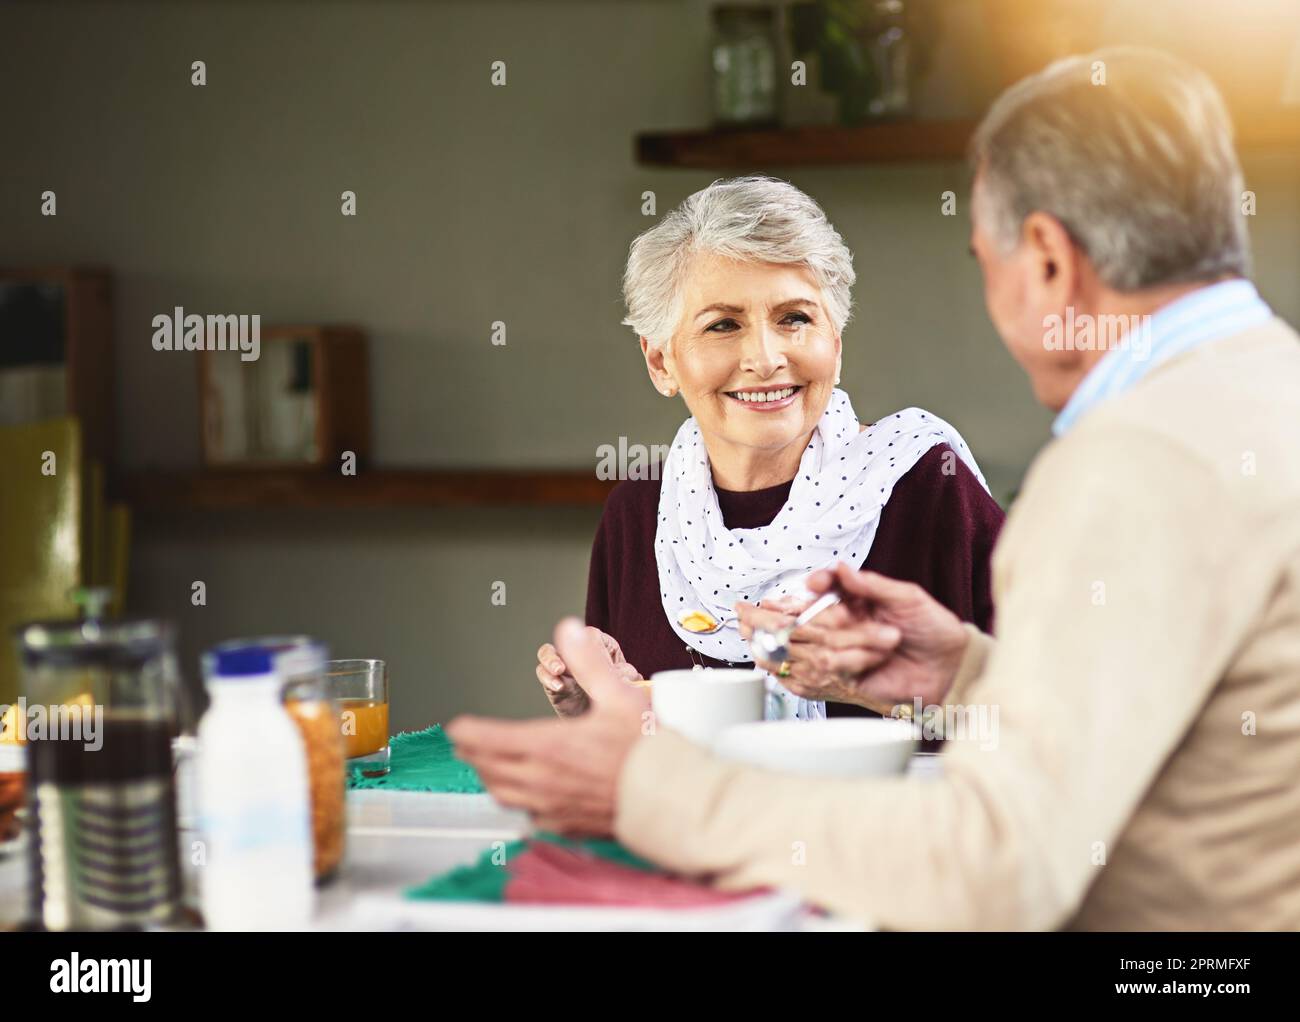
{"x": 548, "y": 874}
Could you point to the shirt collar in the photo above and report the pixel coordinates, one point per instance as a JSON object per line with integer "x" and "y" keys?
{"x": 1206, "y": 314}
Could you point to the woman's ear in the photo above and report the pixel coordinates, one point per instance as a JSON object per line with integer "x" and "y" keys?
{"x": 660, "y": 374}
{"x": 839, "y": 358}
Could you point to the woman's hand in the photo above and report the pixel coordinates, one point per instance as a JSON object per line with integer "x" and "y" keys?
{"x": 886, "y": 643}
{"x": 565, "y": 694}
{"x": 816, "y": 668}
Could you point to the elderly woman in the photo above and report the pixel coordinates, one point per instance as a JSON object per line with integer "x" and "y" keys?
{"x": 740, "y": 296}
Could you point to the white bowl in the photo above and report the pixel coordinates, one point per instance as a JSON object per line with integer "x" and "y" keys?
{"x": 840, "y": 747}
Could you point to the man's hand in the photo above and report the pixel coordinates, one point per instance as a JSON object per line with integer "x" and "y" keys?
{"x": 567, "y": 697}
{"x": 886, "y": 643}
{"x": 565, "y": 773}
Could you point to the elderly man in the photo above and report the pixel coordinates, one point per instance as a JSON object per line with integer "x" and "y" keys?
{"x": 1146, "y": 771}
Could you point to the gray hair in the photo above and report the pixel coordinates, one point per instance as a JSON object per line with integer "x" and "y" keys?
{"x": 1140, "y": 170}
{"x": 751, "y": 219}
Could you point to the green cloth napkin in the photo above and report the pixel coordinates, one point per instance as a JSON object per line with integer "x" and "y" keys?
{"x": 422, "y": 761}
{"x": 486, "y": 879}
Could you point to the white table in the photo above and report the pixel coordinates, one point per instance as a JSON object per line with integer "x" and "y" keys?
{"x": 396, "y": 840}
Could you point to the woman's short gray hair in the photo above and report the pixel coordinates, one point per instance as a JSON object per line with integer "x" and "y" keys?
{"x": 751, "y": 219}
{"x": 1131, "y": 150}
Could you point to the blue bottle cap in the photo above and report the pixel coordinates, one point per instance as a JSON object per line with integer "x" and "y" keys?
{"x": 243, "y": 662}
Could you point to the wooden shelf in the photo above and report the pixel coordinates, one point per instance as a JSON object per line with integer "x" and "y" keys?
{"x": 886, "y": 142}
{"x": 377, "y": 488}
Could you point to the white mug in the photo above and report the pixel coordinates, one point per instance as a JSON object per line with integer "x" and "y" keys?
{"x": 701, "y": 704}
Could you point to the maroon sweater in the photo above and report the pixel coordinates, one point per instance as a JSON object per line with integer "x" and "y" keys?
{"x": 937, "y": 530}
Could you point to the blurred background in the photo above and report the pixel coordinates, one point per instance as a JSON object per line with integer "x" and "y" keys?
{"x": 493, "y": 202}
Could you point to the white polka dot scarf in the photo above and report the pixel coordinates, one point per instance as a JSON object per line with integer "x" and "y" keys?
{"x": 845, "y": 479}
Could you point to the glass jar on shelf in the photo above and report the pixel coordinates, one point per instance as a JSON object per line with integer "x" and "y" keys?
{"x": 744, "y": 65}
{"x": 890, "y": 47}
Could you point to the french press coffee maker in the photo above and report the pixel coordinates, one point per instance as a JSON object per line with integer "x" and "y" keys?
{"x": 103, "y": 840}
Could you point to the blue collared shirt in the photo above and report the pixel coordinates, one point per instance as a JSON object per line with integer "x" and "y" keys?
{"x": 1207, "y": 314}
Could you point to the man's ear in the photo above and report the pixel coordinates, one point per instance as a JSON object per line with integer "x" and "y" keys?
{"x": 1057, "y": 273}
{"x": 1054, "y": 253}
{"x": 660, "y": 372}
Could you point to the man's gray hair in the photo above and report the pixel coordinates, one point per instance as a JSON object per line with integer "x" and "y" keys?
{"x": 1131, "y": 150}
{"x": 749, "y": 219}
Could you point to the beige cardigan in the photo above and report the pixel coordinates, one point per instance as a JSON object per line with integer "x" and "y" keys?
{"x": 1146, "y": 675}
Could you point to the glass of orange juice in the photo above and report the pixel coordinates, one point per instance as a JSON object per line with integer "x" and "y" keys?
{"x": 361, "y": 688}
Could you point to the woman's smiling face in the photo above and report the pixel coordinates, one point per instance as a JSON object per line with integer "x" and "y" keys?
{"x": 755, "y": 354}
